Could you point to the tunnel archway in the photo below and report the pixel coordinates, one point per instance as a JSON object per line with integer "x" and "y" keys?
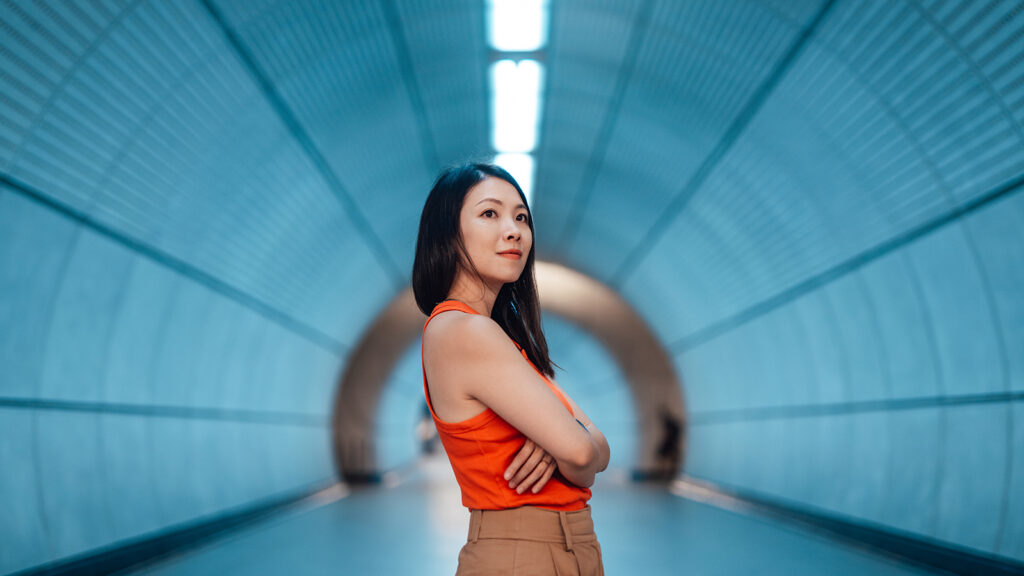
{"x": 585, "y": 302}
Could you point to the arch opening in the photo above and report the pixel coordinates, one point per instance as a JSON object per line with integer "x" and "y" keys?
{"x": 583, "y": 301}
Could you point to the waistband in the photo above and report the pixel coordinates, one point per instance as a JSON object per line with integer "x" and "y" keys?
{"x": 532, "y": 523}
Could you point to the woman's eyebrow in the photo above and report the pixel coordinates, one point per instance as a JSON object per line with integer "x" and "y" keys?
{"x": 498, "y": 202}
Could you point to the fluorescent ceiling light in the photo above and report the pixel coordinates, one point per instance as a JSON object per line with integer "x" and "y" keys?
{"x": 515, "y": 89}
{"x": 517, "y": 25}
{"x": 520, "y": 166}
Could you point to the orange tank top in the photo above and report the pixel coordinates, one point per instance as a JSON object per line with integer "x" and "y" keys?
{"x": 481, "y": 448}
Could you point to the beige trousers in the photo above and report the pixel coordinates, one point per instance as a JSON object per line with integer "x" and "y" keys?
{"x": 530, "y": 541}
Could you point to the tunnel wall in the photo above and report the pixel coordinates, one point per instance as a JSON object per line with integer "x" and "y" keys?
{"x": 168, "y": 256}
{"x": 889, "y": 396}
{"x": 845, "y": 269}
{"x": 134, "y": 399}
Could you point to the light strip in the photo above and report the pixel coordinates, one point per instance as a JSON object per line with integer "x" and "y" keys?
{"x": 520, "y": 166}
{"x": 516, "y": 90}
{"x": 517, "y": 25}
{"x": 516, "y": 86}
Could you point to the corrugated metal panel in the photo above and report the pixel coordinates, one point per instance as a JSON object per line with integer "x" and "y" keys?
{"x": 589, "y": 42}
{"x": 698, "y": 65}
{"x": 152, "y": 127}
{"x": 449, "y": 56}
{"x": 878, "y": 128}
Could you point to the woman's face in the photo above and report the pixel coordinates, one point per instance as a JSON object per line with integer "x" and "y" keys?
{"x": 494, "y": 222}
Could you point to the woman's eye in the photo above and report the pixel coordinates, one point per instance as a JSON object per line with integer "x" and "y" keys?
{"x": 490, "y": 212}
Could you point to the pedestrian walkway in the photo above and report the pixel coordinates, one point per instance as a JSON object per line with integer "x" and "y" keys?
{"x": 415, "y": 525}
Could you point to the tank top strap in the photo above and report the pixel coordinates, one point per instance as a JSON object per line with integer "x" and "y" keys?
{"x": 446, "y": 305}
{"x": 443, "y": 306}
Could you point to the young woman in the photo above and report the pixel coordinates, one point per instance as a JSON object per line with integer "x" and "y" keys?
{"x": 523, "y": 452}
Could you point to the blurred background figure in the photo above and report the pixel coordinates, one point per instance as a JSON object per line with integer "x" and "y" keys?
{"x": 670, "y": 448}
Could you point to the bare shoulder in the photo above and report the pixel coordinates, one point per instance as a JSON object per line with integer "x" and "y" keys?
{"x": 464, "y": 335}
{"x": 459, "y": 350}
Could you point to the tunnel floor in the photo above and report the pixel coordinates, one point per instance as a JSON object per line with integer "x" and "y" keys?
{"x": 416, "y": 525}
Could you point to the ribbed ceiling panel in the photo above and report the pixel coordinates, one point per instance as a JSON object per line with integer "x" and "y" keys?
{"x": 347, "y": 72}
{"x": 926, "y": 77}
{"x": 698, "y": 65}
{"x": 797, "y": 12}
{"x": 990, "y": 38}
{"x": 588, "y": 43}
{"x": 145, "y": 121}
{"x": 449, "y": 59}
{"x": 865, "y": 139}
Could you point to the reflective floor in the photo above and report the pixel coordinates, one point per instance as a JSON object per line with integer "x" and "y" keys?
{"x": 416, "y": 526}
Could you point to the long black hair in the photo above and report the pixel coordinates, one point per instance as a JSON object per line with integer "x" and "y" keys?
{"x": 439, "y": 246}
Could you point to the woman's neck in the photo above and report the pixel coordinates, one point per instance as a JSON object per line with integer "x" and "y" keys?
{"x": 474, "y": 294}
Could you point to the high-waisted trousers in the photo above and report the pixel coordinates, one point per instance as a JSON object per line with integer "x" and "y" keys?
{"x": 530, "y": 541}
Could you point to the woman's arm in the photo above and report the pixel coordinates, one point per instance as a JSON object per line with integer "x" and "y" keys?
{"x": 532, "y": 467}
{"x": 603, "y": 449}
{"x": 490, "y": 369}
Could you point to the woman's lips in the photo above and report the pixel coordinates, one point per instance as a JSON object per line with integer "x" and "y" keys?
{"x": 511, "y": 255}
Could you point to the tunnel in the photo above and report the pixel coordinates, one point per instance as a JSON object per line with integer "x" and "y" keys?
{"x": 780, "y": 257}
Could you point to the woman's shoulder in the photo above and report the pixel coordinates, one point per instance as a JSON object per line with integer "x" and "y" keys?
{"x": 462, "y": 332}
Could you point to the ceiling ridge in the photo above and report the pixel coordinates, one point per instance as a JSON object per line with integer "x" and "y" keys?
{"x": 597, "y": 153}
{"x": 855, "y": 262}
{"x": 154, "y": 254}
{"x": 170, "y": 411}
{"x": 412, "y": 86}
{"x": 725, "y": 143}
{"x": 843, "y": 408}
{"x": 298, "y": 132}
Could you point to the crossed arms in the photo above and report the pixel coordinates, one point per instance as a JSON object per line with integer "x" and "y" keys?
{"x": 491, "y": 370}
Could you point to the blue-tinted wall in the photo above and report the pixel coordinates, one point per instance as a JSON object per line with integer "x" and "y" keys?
{"x": 135, "y": 399}
{"x": 890, "y": 395}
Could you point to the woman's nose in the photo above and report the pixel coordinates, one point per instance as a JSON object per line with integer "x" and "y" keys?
{"x": 512, "y": 233}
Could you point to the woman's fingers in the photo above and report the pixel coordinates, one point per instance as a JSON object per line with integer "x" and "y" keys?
{"x": 552, "y": 466}
{"x": 536, "y": 481}
{"x": 531, "y": 468}
{"x": 528, "y": 467}
{"x": 524, "y": 453}
{"x": 535, "y": 476}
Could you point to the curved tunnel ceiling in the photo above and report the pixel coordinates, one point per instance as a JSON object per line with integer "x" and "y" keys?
{"x": 815, "y": 205}
{"x": 672, "y": 132}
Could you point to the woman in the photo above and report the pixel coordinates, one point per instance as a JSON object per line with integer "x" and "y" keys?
{"x": 523, "y": 452}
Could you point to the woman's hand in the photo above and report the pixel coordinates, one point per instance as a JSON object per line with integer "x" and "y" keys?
{"x": 530, "y": 469}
